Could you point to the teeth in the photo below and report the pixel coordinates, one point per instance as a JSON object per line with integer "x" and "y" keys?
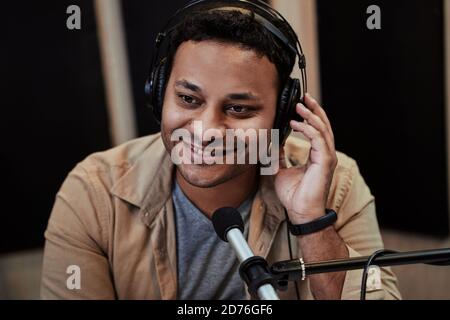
{"x": 198, "y": 151}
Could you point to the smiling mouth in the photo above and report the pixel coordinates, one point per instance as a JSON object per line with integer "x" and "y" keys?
{"x": 202, "y": 151}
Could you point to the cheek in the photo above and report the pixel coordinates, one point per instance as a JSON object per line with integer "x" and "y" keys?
{"x": 262, "y": 126}
{"x": 173, "y": 117}
{"x": 264, "y": 120}
{"x": 272, "y": 114}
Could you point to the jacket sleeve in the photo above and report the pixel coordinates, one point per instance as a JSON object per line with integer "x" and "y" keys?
{"x": 358, "y": 227}
{"x": 75, "y": 262}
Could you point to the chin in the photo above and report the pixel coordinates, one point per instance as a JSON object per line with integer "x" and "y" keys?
{"x": 209, "y": 176}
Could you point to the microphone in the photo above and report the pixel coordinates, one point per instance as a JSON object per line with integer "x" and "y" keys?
{"x": 254, "y": 270}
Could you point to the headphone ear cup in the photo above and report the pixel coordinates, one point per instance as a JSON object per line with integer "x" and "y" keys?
{"x": 289, "y": 97}
{"x": 295, "y": 98}
{"x": 154, "y": 89}
{"x": 282, "y": 104}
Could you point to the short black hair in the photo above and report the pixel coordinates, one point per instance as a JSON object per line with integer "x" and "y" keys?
{"x": 234, "y": 27}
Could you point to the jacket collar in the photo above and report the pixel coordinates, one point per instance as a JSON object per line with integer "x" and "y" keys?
{"x": 147, "y": 182}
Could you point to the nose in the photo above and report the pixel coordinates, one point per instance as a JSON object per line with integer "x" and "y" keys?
{"x": 213, "y": 121}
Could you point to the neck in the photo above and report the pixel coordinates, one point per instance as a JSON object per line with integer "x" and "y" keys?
{"x": 228, "y": 194}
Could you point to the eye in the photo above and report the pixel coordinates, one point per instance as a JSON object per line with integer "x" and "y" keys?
{"x": 188, "y": 99}
{"x": 242, "y": 112}
{"x": 238, "y": 109}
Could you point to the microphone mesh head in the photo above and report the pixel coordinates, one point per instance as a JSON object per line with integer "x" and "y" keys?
{"x": 225, "y": 219}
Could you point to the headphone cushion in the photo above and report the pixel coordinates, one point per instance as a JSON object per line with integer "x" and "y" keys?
{"x": 284, "y": 99}
{"x": 289, "y": 97}
{"x": 160, "y": 85}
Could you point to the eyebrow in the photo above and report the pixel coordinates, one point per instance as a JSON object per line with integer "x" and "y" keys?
{"x": 188, "y": 85}
{"x": 232, "y": 96}
{"x": 242, "y": 96}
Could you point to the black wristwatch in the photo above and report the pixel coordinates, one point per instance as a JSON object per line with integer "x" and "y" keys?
{"x": 327, "y": 220}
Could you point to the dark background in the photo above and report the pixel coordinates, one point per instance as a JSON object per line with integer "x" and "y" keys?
{"x": 383, "y": 90}
{"x": 53, "y": 111}
{"x": 384, "y": 93}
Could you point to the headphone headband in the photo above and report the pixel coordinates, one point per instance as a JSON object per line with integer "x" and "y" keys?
{"x": 261, "y": 6}
{"x": 293, "y": 90}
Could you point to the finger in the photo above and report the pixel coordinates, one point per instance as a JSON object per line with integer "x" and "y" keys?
{"x": 317, "y": 140}
{"x": 315, "y": 107}
{"x": 315, "y": 121}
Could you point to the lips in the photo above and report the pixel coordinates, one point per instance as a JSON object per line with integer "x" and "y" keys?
{"x": 201, "y": 151}
{"x": 197, "y": 150}
{"x": 192, "y": 154}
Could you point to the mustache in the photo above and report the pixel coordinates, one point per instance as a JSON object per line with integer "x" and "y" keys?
{"x": 213, "y": 144}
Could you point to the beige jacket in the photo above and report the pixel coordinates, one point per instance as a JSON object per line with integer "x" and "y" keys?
{"x": 113, "y": 218}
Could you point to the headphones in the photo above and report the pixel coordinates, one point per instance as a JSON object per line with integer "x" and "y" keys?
{"x": 293, "y": 90}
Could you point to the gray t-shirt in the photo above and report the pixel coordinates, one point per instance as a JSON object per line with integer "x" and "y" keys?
{"x": 207, "y": 267}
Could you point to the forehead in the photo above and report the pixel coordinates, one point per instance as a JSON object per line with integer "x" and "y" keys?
{"x": 224, "y": 65}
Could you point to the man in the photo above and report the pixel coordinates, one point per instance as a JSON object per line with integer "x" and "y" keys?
{"x": 137, "y": 226}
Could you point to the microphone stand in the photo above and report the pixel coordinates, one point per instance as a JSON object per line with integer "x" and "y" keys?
{"x": 254, "y": 270}
{"x": 293, "y": 270}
